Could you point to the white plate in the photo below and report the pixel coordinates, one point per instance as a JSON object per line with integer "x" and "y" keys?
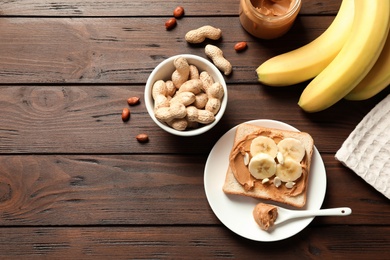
{"x": 235, "y": 212}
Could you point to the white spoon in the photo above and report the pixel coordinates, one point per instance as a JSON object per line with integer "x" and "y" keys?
{"x": 286, "y": 214}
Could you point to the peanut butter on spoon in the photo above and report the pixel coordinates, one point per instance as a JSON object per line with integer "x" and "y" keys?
{"x": 265, "y": 215}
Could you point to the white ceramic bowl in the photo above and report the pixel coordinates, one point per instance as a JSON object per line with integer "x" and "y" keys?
{"x": 164, "y": 70}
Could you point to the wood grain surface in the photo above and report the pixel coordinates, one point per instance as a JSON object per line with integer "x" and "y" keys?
{"x": 76, "y": 184}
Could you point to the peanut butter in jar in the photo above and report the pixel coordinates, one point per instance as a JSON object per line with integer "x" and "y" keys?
{"x": 268, "y": 19}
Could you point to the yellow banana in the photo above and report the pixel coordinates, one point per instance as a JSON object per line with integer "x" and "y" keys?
{"x": 377, "y": 79}
{"x": 358, "y": 55}
{"x": 309, "y": 60}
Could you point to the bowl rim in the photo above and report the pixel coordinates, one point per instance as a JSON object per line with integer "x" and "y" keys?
{"x": 148, "y": 95}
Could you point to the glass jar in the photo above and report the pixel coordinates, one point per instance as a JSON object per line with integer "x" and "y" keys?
{"x": 257, "y": 18}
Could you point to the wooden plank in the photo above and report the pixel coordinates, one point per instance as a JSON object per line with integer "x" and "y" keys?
{"x": 171, "y": 242}
{"x": 138, "y": 190}
{"x": 148, "y": 8}
{"x": 99, "y": 190}
{"x": 126, "y": 50}
{"x": 87, "y": 119}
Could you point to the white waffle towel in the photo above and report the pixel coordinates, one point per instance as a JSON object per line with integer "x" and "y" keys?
{"x": 366, "y": 151}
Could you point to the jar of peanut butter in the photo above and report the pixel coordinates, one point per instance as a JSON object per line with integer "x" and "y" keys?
{"x": 268, "y": 19}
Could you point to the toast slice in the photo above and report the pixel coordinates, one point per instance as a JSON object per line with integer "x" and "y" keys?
{"x": 295, "y": 196}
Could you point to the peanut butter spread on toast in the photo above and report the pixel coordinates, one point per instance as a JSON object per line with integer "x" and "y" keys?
{"x": 244, "y": 177}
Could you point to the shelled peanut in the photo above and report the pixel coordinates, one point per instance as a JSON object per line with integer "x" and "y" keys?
{"x": 189, "y": 99}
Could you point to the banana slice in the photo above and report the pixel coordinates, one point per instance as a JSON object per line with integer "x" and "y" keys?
{"x": 263, "y": 144}
{"x": 291, "y": 148}
{"x": 289, "y": 171}
{"x": 262, "y": 166}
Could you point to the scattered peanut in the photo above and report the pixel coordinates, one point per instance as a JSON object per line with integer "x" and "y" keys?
{"x": 170, "y": 23}
{"x": 125, "y": 114}
{"x": 132, "y": 101}
{"x": 240, "y": 46}
{"x": 178, "y": 12}
{"x": 216, "y": 55}
{"x": 200, "y": 34}
{"x": 142, "y": 138}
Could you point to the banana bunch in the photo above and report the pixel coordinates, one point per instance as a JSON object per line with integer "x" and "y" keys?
{"x": 350, "y": 60}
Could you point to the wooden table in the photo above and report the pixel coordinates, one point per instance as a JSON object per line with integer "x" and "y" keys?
{"x": 74, "y": 181}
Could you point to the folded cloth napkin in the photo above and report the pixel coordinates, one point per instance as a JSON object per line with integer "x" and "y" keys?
{"x": 366, "y": 151}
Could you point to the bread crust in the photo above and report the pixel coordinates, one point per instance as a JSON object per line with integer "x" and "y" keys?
{"x": 232, "y": 186}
